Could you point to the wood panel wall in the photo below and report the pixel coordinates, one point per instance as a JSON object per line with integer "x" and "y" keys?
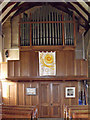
{"x": 3, "y": 70}
{"x": 15, "y": 94}
{"x": 81, "y": 67}
{"x": 66, "y": 65}
{"x": 29, "y": 63}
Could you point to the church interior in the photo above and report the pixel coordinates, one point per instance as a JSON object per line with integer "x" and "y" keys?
{"x": 44, "y": 60}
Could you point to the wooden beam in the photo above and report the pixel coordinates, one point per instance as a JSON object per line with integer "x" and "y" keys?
{"x": 26, "y": 7}
{"x": 86, "y": 30}
{"x": 8, "y": 5}
{"x": 12, "y": 10}
{"x": 61, "y": 6}
{"x": 88, "y": 3}
{"x": 77, "y": 3}
{"x": 77, "y": 12}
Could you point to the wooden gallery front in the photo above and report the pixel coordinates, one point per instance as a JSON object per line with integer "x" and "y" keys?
{"x": 48, "y": 74}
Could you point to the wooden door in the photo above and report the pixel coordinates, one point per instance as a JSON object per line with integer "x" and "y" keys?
{"x": 55, "y": 100}
{"x": 50, "y": 100}
{"x": 44, "y": 99}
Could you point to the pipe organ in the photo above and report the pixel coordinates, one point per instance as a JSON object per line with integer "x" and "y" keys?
{"x": 45, "y": 26}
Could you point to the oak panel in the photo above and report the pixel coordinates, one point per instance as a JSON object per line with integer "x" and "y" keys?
{"x": 21, "y": 93}
{"x": 44, "y": 99}
{"x": 17, "y": 68}
{"x": 84, "y": 67}
{"x": 78, "y": 67}
{"x": 70, "y": 101}
{"x": 60, "y": 63}
{"x": 27, "y": 97}
{"x": 11, "y": 68}
{"x": 12, "y": 94}
{"x": 29, "y": 63}
{"x": 70, "y": 57}
{"x": 24, "y": 63}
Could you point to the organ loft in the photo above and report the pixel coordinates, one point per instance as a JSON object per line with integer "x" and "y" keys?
{"x": 45, "y": 60}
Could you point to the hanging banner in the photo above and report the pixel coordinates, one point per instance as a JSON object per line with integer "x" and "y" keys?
{"x": 47, "y": 63}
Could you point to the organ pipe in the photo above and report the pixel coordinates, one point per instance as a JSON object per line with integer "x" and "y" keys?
{"x": 45, "y": 30}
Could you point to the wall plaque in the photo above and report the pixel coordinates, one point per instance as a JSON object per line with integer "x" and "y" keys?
{"x": 30, "y": 91}
{"x": 70, "y": 92}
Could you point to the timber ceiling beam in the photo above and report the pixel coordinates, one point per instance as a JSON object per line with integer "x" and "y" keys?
{"x": 26, "y": 7}
{"x": 12, "y": 10}
{"x": 61, "y": 6}
{"x": 77, "y": 3}
{"x": 3, "y": 4}
{"x": 8, "y": 5}
{"x": 71, "y": 6}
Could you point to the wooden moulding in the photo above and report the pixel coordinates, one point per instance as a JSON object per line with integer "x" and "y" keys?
{"x": 48, "y": 78}
{"x": 40, "y": 48}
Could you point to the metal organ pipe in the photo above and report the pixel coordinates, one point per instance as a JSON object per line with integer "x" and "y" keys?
{"x": 46, "y": 33}
{"x": 47, "y": 43}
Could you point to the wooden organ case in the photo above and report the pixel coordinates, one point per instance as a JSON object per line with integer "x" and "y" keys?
{"x": 46, "y": 29}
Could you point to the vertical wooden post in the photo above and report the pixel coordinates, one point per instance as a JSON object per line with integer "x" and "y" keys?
{"x": 74, "y": 30}
{"x": 63, "y": 30}
{"x": 30, "y": 32}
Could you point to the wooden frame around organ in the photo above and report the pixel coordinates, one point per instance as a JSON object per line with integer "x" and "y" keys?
{"x": 50, "y": 47}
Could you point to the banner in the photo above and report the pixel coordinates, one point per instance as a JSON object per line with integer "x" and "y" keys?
{"x": 47, "y": 63}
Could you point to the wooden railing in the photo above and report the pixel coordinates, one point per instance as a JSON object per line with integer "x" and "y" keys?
{"x": 17, "y": 111}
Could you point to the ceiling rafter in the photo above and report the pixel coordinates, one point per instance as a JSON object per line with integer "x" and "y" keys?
{"x": 25, "y": 7}
{"x": 6, "y": 12}
{"x": 8, "y": 5}
{"x": 77, "y": 3}
{"x": 72, "y": 7}
{"x": 3, "y": 4}
{"x": 12, "y": 10}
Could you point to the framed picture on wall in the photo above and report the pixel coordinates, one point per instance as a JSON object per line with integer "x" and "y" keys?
{"x": 30, "y": 91}
{"x": 70, "y": 92}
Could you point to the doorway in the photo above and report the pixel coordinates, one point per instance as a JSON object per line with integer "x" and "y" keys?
{"x": 50, "y": 100}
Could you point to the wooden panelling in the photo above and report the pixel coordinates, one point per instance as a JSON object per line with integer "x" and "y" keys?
{"x": 70, "y": 101}
{"x": 21, "y": 94}
{"x": 11, "y": 68}
{"x": 78, "y": 67}
{"x": 3, "y": 70}
{"x": 25, "y": 63}
{"x": 65, "y": 63}
{"x": 16, "y": 68}
{"x": 70, "y": 57}
{"x": 29, "y": 63}
{"x": 49, "y": 98}
{"x": 60, "y": 63}
{"x": 45, "y": 99}
{"x": 9, "y": 93}
{"x": 84, "y": 67}
{"x": 0, "y": 93}
{"x": 56, "y": 100}
{"x": 81, "y": 67}
{"x": 24, "y": 99}
{"x": 12, "y": 94}
{"x": 28, "y": 66}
